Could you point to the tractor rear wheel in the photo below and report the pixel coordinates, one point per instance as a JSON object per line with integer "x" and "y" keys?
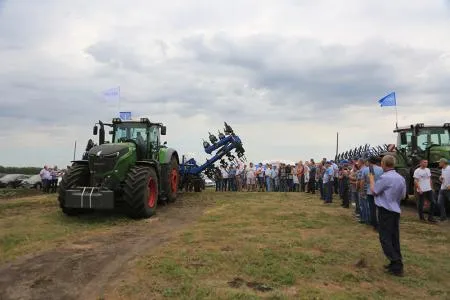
{"x": 141, "y": 192}
{"x": 76, "y": 175}
{"x": 174, "y": 178}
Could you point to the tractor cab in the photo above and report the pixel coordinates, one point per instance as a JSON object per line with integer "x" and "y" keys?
{"x": 420, "y": 141}
{"x": 145, "y": 135}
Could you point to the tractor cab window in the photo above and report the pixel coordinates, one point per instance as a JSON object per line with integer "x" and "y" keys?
{"x": 137, "y": 134}
{"x": 433, "y": 136}
{"x": 154, "y": 141}
{"x": 404, "y": 141}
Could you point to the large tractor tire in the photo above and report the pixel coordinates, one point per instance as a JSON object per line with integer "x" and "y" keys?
{"x": 141, "y": 192}
{"x": 77, "y": 175}
{"x": 174, "y": 180}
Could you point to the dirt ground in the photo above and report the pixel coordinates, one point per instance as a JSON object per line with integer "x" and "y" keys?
{"x": 81, "y": 268}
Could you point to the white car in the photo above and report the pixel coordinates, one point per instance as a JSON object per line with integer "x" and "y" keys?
{"x": 209, "y": 182}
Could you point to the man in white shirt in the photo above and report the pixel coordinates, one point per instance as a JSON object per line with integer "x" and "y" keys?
{"x": 45, "y": 178}
{"x": 224, "y": 179}
{"x": 444, "y": 193}
{"x": 422, "y": 183}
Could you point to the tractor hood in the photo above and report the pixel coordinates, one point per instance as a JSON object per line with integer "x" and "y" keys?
{"x": 109, "y": 150}
{"x": 108, "y": 161}
{"x": 438, "y": 152}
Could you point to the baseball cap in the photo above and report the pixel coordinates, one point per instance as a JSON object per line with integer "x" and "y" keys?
{"x": 443, "y": 160}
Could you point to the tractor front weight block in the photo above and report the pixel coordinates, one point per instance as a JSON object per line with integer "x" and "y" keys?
{"x": 89, "y": 198}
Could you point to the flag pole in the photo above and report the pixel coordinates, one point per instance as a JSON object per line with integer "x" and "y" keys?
{"x": 396, "y": 117}
{"x": 337, "y": 143}
{"x": 118, "y": 103}
{"x": 74, "y": 149}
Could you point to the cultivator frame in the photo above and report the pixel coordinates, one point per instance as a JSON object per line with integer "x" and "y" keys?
{"x": 222, "y": 145}
{"x": 363, "y": 152}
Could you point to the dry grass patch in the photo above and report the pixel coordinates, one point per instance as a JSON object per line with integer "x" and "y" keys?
{"x": 283, "y": 246}
{"x": 33, "y": 224}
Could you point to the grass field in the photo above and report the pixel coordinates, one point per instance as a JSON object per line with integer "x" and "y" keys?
{"x": 283, "y": 246}
{"x": 244, "y": 246}
{"x": 32, "y": 224}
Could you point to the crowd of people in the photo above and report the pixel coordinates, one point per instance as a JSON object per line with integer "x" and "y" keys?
{"x": 49, "y": 178}
{"x": 348, "y": 180}
{"x": 371, "y": 185}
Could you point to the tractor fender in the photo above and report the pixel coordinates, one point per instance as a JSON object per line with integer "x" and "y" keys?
{"x": 166, "y": 154}
{"x": 151, "y": 163}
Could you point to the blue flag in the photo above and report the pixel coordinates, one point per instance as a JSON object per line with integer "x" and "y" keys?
{"x": 388, "y": 100}
{"x": 125, "y": 115}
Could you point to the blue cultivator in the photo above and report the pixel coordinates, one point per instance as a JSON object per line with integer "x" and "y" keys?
{"x": 226, "y": 142}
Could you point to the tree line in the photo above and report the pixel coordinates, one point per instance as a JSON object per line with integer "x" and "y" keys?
{"x": 20, "y": 170}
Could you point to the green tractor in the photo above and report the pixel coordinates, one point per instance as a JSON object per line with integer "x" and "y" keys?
{"x": 417, "y": 142}
{"x": 130, "y": 174}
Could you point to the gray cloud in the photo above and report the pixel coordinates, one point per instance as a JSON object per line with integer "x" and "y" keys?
{"x": 195, "y": 65}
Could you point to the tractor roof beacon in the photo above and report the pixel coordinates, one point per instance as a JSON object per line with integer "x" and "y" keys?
{"x": 131, "y": 173}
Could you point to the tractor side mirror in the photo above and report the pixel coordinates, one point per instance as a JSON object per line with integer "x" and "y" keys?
{"x": 95, "y": 130}
{"x": 163, "y": 130}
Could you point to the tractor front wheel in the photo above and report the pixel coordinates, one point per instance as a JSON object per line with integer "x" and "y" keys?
{"x": 77, "y": 175}
{"x": 141, "y": 192}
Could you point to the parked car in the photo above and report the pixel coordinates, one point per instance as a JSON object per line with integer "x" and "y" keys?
{"x": 209, "y": 182}
{"x": 34, "y": 182}
{"x": 12, "y": 180}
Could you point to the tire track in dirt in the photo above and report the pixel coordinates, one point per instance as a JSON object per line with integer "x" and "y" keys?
{"x": 83, "y": 268}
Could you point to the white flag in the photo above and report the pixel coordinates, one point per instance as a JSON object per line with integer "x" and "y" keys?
{"x": 112, "y": 93}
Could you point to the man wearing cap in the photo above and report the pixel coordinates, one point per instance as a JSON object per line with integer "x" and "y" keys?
{"x": 388, "y": 191}
{"x": 422, "y": 184}
{"x": 444, "y": 193}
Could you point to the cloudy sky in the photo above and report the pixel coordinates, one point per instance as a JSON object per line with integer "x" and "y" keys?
{"x": 287, "y": 74}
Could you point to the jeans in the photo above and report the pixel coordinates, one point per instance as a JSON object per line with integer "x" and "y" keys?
{"x": 341, "y": 188}
{"x": 321, "y": 190}
{"x": 218, "y": 185}
{"x": 336, "y": 185}
{"x": 268, "y": 184}
{"x": 261, "y": 184}
{"x": 364, "y": 209}
{"x": 302, "y": 182}
{"x": 345, "y": 197}
{"x": 444, "y": 197}
{"x": 312, "y": 186}
{"x": 329, "y": 192}
{"x": 283, "y": 185}
{"x": 224, "y": 184}
{"x": 276, "y": 184}
{"x": 389, "y": 232}
{"x": 355, "y": 199}
{"x": 372, "y": 211}
{"x": 429, "y": 196}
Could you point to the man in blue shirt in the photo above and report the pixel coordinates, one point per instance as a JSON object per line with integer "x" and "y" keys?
{"x": 328, "y": 177}
{"x": 388, "y": 191}
{"x": 363, "y": 203}
{"x": 370, "y": 199}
